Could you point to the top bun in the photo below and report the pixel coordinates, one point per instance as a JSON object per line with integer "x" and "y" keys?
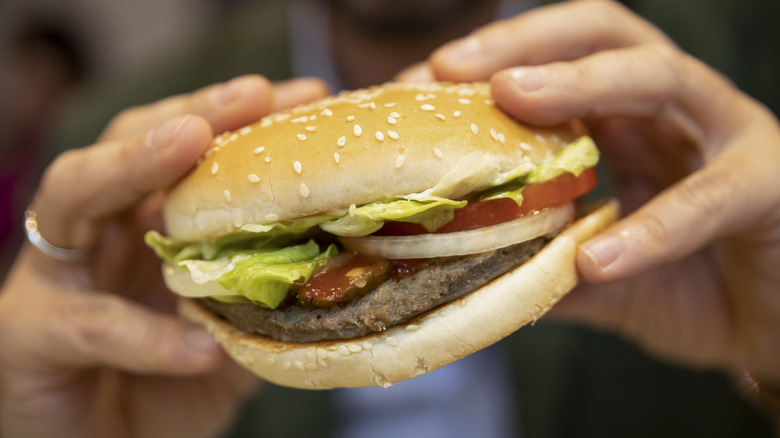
{"x": 354, "y": 148}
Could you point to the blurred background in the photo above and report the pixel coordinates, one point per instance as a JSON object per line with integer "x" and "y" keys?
{"x": 68, "y": 66}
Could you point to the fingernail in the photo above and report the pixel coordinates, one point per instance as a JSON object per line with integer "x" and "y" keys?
{"x": 462, "y": 49}
{"x": 200, "y": 340}
{"x": 530, "y": 78}
{"x": 603, "y": 251}
{"x": 229, "y": 91}
{"x": 164, "y": 135}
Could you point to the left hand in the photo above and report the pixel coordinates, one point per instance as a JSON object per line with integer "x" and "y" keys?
{"x": 691, "y": 273}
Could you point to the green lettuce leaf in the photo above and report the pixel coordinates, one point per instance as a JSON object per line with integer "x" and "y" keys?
{"x": 261, "y": 276}
{"x": 577, "y": 156}
{"x": 431, "y": 213}
{"x": 265, "y": 278}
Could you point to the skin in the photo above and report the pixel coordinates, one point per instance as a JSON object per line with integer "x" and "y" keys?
{"x": 131, "y": 368}
{"x": 691, "y": 272}
{"x": 688, "y": 273}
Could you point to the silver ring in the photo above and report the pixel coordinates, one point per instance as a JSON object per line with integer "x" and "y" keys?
{"x": 36, "y": 239}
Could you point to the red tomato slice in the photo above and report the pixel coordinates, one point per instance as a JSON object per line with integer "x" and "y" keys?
{"x": 553, "y": 193}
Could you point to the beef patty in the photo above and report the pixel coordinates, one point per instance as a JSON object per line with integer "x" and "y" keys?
{"x": 393, "y": 302}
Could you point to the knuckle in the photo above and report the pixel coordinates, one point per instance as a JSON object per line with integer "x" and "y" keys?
{"x": 654, "y": 229}
{"x": 706, "y": 195}
{"x": 87, "y": 324}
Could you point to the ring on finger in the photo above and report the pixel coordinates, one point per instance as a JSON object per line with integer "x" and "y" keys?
{"x": 38, "y": 241}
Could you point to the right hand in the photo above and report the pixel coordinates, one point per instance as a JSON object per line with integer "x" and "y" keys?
{"x": 93, "y": 348}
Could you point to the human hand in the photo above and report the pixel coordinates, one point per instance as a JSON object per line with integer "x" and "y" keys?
{"x": 92, "y": 348}
{"x": 692, "y": 272}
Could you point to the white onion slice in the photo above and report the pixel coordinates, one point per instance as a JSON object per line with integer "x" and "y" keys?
{"x": 181, "y": 282}
{"x": 463, "y": 242}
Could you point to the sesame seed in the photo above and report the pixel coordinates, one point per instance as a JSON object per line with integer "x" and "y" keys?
{"x": 488, "y": 101}
{"x": 422, "y": 96}
{"x": 474, "y": 128}
{"x": 226, "y": 194}
{"x": 399, "y": 161}
{"x": 214, "y": 168}
{"x": 233, "y": 137}
{"x": 310, "y": 128}
{"x": 327, "y": 112}
{"x": 494, "y": 134}
{"x": 336, "y": 157}
{"x": 266, "y": 122}
{"x": 357, "y": 130}
{"x": 245, "y": 130}
{"x": 427, "y": 107}
{"x": 437, "y": 152}
{"x": 341, "y": 141}
{"x": 302, "y": 119}
{"x": 501, "y": 137}
{"x": 304, "y": 190}
{"x": 301, "y": 137}
{"x": 393, "y": 135}
{"x": 271, "y": 217}
{"x": 267, "y": 159}
{"x": 441, "y": 117}
{"x": 395, "y": 115}
{"x": 350, "y": 118}
{"x": 525, "y": 146}
{"x": 391, "y": 120}
{"x": 464, "y": 101}
{"x": 259, "y": 150}
{"x": 253, "y": 178}
{"x": 456, "y": 114}
{"x": 297, "y": 167}
{"x": 390, "y": 104}
{"x": 380, "y": 136}
{"x": 352, "y": 208}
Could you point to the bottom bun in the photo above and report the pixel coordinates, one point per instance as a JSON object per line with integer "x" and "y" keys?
{"x": 430, "y": 341}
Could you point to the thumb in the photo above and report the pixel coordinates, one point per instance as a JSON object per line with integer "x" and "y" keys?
{"x": 714, "y": 201}
{"x": 87, "y": 329}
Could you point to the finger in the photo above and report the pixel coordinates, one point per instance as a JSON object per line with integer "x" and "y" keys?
{"x": 734, "y": 193}
{"x": 47, "y": 322}
{"x": 225, "y": 106}
{"x": 101, "y": 329}
{"x": 83, "y": 186}
{"x": 648, "y": 81}
{"x": 288, "y": 94}
{"x": 560, "y": 32}
{"x": 420, "y": 72}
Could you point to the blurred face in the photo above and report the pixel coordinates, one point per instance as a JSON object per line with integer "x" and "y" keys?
{"x": 400, "y": 14}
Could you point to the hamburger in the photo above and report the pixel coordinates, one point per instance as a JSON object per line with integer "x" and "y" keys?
{"x": 376, "y": 235}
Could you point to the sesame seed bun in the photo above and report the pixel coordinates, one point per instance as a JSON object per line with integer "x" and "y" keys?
{"x": 354, "y": 148}
{"x": 436, "y": 338}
